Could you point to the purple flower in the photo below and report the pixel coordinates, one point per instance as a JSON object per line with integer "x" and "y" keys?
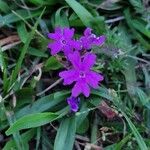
{"x": 73, "y": 103}
{"x": 89, "y": 39}
{"x": 81, "y": 73}
{"x": 63, "y": 41}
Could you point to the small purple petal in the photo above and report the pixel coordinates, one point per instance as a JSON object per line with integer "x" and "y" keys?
{"x": 57, "y": 35}
{"x": 67, "y": 50}
{"x": 89, "y": 39}
{"x": 99, "y": 40}
{"x": 85, "y": 89}
{"x": 86, "y": 44}
{"x": 55, "y": 47}
{"x": 58, "y": 30}
{"x": 76, "y": 89}
{"x": 69, "y": 76}
{"x": 75, "y": 59}
{"x": 54, "y": 36}
{"x": 73, "y": 103}
{"x": 88, "y": 61}
{"x": 81, "y": 87}
{"x": 77, "y": 45}
{"x": 68, "y": 33}
{"x": 93, "y": 78}
{"x": 87, "y": 31}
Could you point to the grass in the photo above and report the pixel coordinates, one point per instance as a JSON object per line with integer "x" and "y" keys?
{"x": 33, "y": 109}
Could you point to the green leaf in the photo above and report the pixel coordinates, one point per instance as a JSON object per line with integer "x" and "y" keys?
{"x": 141, "y": 27}
{"x": 4, "y": 6}
{"x": 22, "y": 32}
{"x": 12, "y": 18}
{"x": 144, "y": 99}
{"x": 3, "y": 69}
{"x": 66, "y": 134}
{"x": 109, "y": 5}
{"x": 137, "y": 4}
{"x": 137, "y": 135}
{"x": 52, "y": 64}
{"x": 83, "y": 127}
{"x": 121, "y": 144}
{"x": 24, "y": 51}
{"x": 61, "y": 18}
{"x": 130, "y": 76}
{"x": 102, "y": 92}
{"x": 137, "y": 35}
{"x": 37, "y": 52}
{"x": 23, "y": 96}
{"x": 94, "y": 129}
{"x": 82, "y": 13}
{"x": 98, "y": 25}
{"x": 27, "y": 136}
{"x": 32, "y": 121}
{"x": 43, "y": 2}
{"x": 43, "y": 104}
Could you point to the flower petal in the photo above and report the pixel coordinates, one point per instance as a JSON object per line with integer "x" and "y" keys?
{"x": 76, "y": 89}
{"x": 73, "y": 103}
{"x": 75, "y": 60}
{"x": 68, "y": 33}
{"x": 85, "y": 89}
{"x": 87, "y": 31}
{"x": 69, "y": 76}
{"x": 67, "y": 49}
{"x": 55, "y": 47}
{"x": 81, "y": 87}
{"x": 54, "y": 36}
{"x": 88, "y": 61}
{"x": 85, "y": 42}
{"x": 76, "y": 44}
{"x": 58, "y": 30}
{"x": 57, "y": 35}
{"x": 99, "y": 40}
{"x": 93, "y": 78}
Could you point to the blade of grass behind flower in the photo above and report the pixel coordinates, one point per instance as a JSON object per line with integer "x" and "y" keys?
{"x": 137, "y": 135}
{"x": 82, "y": 13}
{"x": 24, "y": 51}
{"x": 137, "y": 35}
{"x": 65, "y": 134}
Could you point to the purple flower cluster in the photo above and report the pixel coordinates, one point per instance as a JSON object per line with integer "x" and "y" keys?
{"x": 81, "y": 72}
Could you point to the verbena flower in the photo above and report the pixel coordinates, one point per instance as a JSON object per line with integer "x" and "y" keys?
{"x": 63, "y": 41}
{"x": 89, "y": 39}
{"x": 73, "y": 103}
{"x": 81, "y": 73}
